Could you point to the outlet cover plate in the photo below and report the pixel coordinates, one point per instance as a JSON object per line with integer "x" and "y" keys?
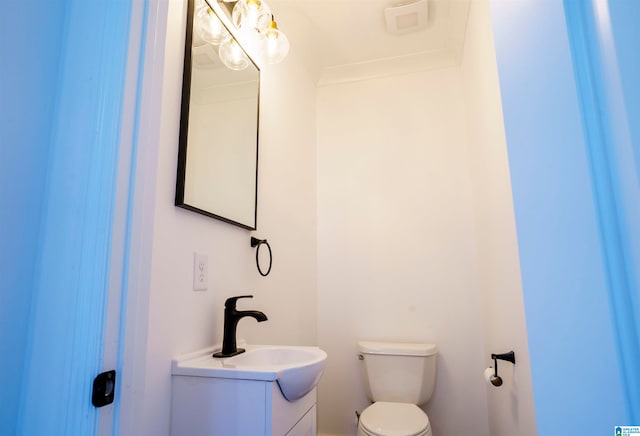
{"x": 200, "y": 272}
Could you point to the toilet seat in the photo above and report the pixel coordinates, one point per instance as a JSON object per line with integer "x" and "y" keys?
{"x": 394, "y": 419}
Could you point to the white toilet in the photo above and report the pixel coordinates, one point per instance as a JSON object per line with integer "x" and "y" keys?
{"x": 398, "y": 377}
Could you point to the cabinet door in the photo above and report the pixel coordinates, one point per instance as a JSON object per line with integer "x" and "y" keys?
{"x": 306, "y": 426}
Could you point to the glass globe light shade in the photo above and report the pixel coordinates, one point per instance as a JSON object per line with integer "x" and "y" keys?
{"x": 251, "y": 14}
{"x": 210, "y": 28}
{"x": 275, "y": 45}
{"x": 200, "y": 4}
{"x": 232, "y": 55}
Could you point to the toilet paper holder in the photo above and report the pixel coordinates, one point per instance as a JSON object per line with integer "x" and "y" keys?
{"x": 509, "y": 357}
{"x": 495, "y": 379}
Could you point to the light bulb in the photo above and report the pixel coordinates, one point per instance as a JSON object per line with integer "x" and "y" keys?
{"x": 251, "y": 14}
{"x": 232, "y": 55}
{"x": 201, "y": 4}
{"x": 210, "y": 28}
{"x": 275, "y": 44}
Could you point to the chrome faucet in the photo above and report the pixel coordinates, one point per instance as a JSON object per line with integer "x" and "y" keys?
{"x": 231, "y": 318}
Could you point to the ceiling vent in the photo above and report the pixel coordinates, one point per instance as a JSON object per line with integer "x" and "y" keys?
{"x": 204, "y": 56}
{"x": 407, "y": 17}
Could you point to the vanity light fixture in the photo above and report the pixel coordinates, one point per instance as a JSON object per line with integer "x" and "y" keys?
{"x": 275, "y": 45}
{"x": 256, "y": 27}
{"x": 210, "y": 28}
{"x": 212, "y": 31}
{"x": 232, "y": 55}
{"x": 254, "y": 19}
{"x": 251, "y": 15}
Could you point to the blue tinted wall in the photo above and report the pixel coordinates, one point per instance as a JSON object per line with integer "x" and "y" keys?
{"x": 577, "y": 382}
{"x": 31, "y": 34}
{"x": 625, "y": 16}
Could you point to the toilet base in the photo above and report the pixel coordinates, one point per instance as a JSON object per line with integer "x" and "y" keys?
{"x": 363, "y": 432}
{"x": 387, "y": 418}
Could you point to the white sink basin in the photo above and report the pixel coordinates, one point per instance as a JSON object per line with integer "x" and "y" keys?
{"x": 297, "y": 370}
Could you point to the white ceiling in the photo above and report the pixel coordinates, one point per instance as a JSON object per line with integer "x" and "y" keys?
{"x": 343, "y": 40}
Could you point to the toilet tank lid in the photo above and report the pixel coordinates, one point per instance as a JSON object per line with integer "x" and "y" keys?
{"x": 397, "y": 348}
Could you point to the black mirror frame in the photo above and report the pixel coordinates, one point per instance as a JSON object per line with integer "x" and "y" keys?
{"x": 184, "y": 128}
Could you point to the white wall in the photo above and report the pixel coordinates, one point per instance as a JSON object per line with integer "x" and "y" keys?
{"x": 511, "y": 409}
{"x": 396, "y": 247}
{"x": 181, "y": 320}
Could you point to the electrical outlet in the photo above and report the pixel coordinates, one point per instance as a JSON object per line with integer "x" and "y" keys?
{"x": 200, "y": 272}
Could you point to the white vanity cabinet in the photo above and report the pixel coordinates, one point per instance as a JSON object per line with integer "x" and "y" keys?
{"x": 209, "y": 406}
{"x": 242, "y": 396}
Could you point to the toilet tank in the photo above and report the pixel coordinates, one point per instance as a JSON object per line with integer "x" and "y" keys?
{"x": 398, "y": 372}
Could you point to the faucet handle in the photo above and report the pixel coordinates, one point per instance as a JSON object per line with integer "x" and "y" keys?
{"x": 231, "y": 302}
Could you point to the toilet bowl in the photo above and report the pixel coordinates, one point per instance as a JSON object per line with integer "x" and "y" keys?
{"x": 393, "y": 419}
{"x": 398, "y": 377}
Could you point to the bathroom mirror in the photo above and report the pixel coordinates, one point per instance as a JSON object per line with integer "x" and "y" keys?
{"x": 218, "y": 144}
